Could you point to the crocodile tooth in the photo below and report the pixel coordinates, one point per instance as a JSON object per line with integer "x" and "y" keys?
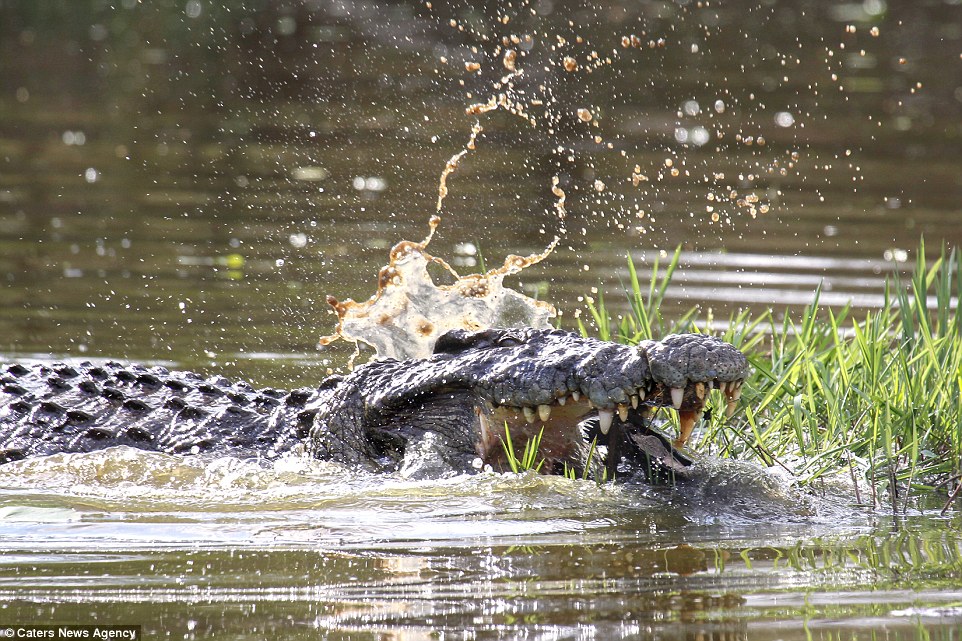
{"x": 700, "y": 390}
{"x": 730, "y": 409}
{"x": 562, "y": 400}
{"x": 677, "y": 396}
{"x": 737, "y": 392}
{"x": 623, "y": 412}
{"x": 711, "y": 385}
{"x": 686, "y": 422}
{"x": 723, "y": 386}
{"x": 529, "y": 414}
{"x": 485, "y": 429}
{"x": 605, "y": 417}
{"x": 641, "y": 393}
{"x": 576, "y": 395}
{"x": 544, "y": 413}
{"x": 634, "y": 401}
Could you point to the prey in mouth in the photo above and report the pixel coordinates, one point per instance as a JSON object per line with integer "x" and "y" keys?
{"x": 560, "y": 385}
{"x": 566, "y": 426}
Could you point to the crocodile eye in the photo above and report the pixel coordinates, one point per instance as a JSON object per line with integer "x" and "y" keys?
{"x": 509, "y": 340}
{"x": 457, "y": 340}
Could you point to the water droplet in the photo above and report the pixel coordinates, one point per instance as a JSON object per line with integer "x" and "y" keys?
{"x": 298, "y": 241}
{"x": 784, "y": 119}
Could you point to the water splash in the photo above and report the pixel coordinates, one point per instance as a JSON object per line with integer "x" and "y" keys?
{"x": 409, "y": 311}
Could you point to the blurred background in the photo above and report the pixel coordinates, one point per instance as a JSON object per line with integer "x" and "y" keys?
{"x": 184, "y": 182}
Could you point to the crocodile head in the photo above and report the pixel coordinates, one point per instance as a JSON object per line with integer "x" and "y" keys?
{"x": 528, "y": 379}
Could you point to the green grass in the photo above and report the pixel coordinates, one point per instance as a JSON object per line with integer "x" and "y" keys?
{"x": 529, "y": 458}
{"x": 875, "y": 396}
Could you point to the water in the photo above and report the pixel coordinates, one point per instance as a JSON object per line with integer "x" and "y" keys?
{"x": 178, "y": 187}
{"x": 222, "y": 548}
{"x": 183, "y": 184}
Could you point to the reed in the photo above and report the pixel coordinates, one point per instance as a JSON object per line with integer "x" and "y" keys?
{"x": 875, "y": 397}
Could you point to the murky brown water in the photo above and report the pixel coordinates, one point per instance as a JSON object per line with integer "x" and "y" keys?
{"x": 226, "y": 549}
{"x": 184, "y": 183}
{"x": 190, "y": 188}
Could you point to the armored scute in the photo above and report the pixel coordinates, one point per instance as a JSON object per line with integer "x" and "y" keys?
{"x": 450, "y": 412}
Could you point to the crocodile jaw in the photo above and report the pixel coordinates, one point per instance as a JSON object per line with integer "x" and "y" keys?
{"x": 559, "y": 423}
{"x": 562, "y": 441}
{"x": 690, "y": 401}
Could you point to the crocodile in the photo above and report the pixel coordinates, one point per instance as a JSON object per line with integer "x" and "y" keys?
{"x": 453, "y": 409}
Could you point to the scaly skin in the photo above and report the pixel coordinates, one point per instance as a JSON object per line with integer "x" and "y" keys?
{"x": 49, "y": 408}
{"x": 454, "y": 404}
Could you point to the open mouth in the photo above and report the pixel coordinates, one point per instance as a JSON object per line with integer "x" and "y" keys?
{"x": 559, "y": 423}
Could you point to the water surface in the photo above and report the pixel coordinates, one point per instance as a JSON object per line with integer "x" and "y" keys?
{"x": 188, "y": 183}
{"x": 220, "y": 548}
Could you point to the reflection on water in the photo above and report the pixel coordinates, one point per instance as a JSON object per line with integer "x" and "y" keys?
{"x": 185, "y": 182}
{"x": 222, "y": 547}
